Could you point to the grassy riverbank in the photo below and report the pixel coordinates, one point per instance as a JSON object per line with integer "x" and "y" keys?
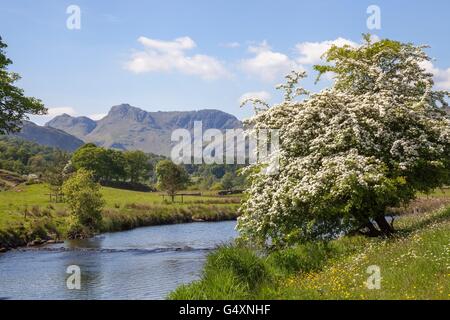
{"x": 415, "y": 264}
{"x": 27, "y": 215}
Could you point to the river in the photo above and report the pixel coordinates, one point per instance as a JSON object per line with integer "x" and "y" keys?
{"x": 144, "y": 263}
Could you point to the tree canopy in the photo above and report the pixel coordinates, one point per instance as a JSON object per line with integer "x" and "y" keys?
{"x": 371, "y": 141}
{"x": 113, "y": 165}
{"x": 14, "y": 105}
{"x": 171, "y": 177}
{"x": 85, "y": 203}
{"x": 25, "y": 157}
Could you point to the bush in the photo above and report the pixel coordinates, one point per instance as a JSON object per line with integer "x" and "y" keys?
{"x": 84, "y": 201}
{"x": 78, "y": 231}
{"x": 231, "y": 272}
{"x": 242, "y": 262}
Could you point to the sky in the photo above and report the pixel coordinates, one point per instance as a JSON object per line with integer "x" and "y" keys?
{"x": 197, "y": 54}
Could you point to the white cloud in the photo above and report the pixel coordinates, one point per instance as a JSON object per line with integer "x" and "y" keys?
{"x": 311, "y": 52}
{"x": 262, "y": 95}
{"x": 267, "y": 64}
{"x": 53, "y": 112}
{"x": 231, "y": 45}
{"x": 441, "y": 76}
{"x": 97, "y": 116}
{"x": 260, "y": 47}
{"x": 169, "y": 56}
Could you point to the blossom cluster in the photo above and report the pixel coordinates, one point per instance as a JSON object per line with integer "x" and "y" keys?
{"x": 372, "y": 140}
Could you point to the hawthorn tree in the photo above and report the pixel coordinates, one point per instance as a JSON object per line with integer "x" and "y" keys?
{"x": 371, "y": 141}
{"x": 14, "y": 105}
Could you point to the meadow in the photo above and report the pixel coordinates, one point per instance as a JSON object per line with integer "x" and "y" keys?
{"x": 27, "y": 214}
{"x": 413, "y": 264}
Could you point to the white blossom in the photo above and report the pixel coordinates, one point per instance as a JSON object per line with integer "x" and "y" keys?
{"x": 346, "y": 153}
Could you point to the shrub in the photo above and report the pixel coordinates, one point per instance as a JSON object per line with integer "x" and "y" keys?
{"x": 84, "y": 202}
{"x": 242, "y": 262}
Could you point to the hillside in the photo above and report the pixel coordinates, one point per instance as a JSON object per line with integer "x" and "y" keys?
{"x": 48, "y": 136}
{"x": 130, "y": 128}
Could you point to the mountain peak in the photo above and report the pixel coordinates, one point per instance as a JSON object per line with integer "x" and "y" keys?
{"x": 133, "y": 128}
{"x": 123, "y": 107}
{"x": 126, "y": 112}
{"x": 77, "y": 126}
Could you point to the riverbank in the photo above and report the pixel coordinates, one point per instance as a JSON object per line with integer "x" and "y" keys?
{"x": 413, "y": 264}
{"x": 28, "y": 218}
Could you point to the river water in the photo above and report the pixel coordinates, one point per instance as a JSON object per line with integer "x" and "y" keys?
{"x": 144, "y": 263}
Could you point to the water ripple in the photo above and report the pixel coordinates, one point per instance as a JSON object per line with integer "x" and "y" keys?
{"x": 111, "y": 250}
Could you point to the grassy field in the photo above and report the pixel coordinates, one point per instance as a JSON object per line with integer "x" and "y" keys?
{"x": 415, "y": 264}
{"x": 27, "y": 214}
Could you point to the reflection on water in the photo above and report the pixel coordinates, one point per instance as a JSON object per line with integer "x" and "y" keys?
{"x": 144, "y": 263}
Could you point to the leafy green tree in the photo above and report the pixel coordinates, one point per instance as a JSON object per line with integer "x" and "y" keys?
{"x": 372, "y": 141}
{"x": 171, "y": 177}
{"x": 26, "y": 157}
{"x": 94, "y": 159}
{"x": 55, "y": 175}
{"x": 137, "y": 166}
{"x": 37, "y": 164}
{"x": 14, "y": 105}
{"x": 115, "y": 165}
{"x": 85, "y": 203}
{"x": 108, "y": 164}
{"x": 227, "y": 181}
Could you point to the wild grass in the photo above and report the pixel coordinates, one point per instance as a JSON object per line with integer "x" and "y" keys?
{"x": 414, "y": 264}
{"x": 231, "y": 272}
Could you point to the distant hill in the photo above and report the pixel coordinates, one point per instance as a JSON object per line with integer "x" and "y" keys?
{"x": 130, "y": 128}
{"x": 48, "y": 136}
{"x": 76, "y": 126}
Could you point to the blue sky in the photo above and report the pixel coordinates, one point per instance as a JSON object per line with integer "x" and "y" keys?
{"x": 189, "y": 55}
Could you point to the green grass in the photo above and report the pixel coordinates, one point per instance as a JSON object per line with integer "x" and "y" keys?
{"x": 439, "y": 193}
{"x": 26, "y": 212}
{"x": 415, "y": 264}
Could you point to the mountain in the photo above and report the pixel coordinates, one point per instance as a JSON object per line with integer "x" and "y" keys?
{"x": 48, "y": 136}
{"x": 76, "y": 126}
{"x": 130, "y": 128}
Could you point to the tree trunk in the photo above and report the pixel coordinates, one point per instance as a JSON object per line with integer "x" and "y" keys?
{"x": 385, "y": 228}
{"x": 373, "y": 232}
